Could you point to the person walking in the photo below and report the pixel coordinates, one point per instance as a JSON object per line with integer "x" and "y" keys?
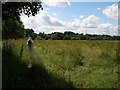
{"x": 29, "y": 43}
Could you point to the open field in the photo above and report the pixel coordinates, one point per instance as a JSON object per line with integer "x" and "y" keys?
{"x": 61, "y": 63}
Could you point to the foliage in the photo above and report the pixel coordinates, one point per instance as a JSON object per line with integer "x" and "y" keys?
{"x": 12, "y": 29}
{"x": 43, "y": 36}
{"x": 12, "y": 26}
{"x": 68, "y": 35}
{"x": 30, "y": 33}
{"x": 57, "y": 36}
{"x": 12, "y": 10}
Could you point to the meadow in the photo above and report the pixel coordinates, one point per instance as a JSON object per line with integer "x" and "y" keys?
{"x": 61, "y": 63}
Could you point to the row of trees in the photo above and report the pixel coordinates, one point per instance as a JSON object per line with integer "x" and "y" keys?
{"x": 68, "y": 35}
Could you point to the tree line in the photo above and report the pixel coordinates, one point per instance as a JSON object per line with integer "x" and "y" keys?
{"x": 68, "y": 35}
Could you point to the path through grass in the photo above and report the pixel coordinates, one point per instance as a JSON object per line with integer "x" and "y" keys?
{"x": 61, "y": 63}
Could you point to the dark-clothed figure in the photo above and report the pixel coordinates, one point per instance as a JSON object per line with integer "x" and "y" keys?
{"x": 29, "y": 43}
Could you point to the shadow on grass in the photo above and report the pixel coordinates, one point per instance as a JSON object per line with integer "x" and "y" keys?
{"x": 17, "y": 75}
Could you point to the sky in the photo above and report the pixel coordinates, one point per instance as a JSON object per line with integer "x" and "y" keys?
{"x": 79, "y": 17}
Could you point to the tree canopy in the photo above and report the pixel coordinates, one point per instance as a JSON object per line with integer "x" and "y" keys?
{"x": 12, "y": 10}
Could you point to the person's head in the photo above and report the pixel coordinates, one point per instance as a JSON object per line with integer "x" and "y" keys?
{"x": 29, "y": 38}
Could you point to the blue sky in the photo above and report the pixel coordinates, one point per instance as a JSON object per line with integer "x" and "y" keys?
{"x": 79, "y": 17}
{"x": 81, "y": 8}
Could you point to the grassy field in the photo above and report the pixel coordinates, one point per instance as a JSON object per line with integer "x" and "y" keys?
{"x": 61, "y": 63}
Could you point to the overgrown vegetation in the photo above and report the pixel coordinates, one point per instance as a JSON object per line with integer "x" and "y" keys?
{"x": 61, "y": 63}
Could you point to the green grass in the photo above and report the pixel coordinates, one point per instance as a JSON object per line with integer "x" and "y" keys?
{"x": 61, "y": 63}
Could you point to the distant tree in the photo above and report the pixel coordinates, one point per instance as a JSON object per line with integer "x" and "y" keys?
{"x": 57, "y": 36}
{"x": 69, "y": 33}
{"x": 54, "y": 37}
{"x": 44, "y": 36}
{"x": 30, "y": 32}
{"x": 39, "y": 38}
{"x": 73, "y": 38}
{"x": 66, "y": 37}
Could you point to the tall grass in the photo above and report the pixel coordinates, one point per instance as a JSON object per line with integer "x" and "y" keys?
{"x": 61, "y": 63}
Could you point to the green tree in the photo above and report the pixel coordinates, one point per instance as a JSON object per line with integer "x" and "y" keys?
{"x": 57, "y": 36}
{"x": 12, "y": 10}
{"x": 30, "y": 33}
{"x": 12, "y": 29}
{"x": 66, "y": 37}
{"x": 44, "y": 36}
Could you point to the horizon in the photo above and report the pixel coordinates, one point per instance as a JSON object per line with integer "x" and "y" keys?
{"x": 80, "y": 33}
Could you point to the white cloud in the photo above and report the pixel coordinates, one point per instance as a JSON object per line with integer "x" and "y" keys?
{"x": 111, "y": 11}
{"x": 108, "y": 28}
{"x": 105, "y": 26}
{"x": 75, "y": 23}
{"x": 90, "y": 21}
{"x": 44, "y": 22}
{"x": 42, "y": 18}
{"x": 57, "y": 3}
{"x": 54, "y": 14}
{"x": 81, "y": 16}
{"x": 98, "y": 8}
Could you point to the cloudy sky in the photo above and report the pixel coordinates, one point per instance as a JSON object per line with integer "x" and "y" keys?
{"x": 78, "y": 17}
